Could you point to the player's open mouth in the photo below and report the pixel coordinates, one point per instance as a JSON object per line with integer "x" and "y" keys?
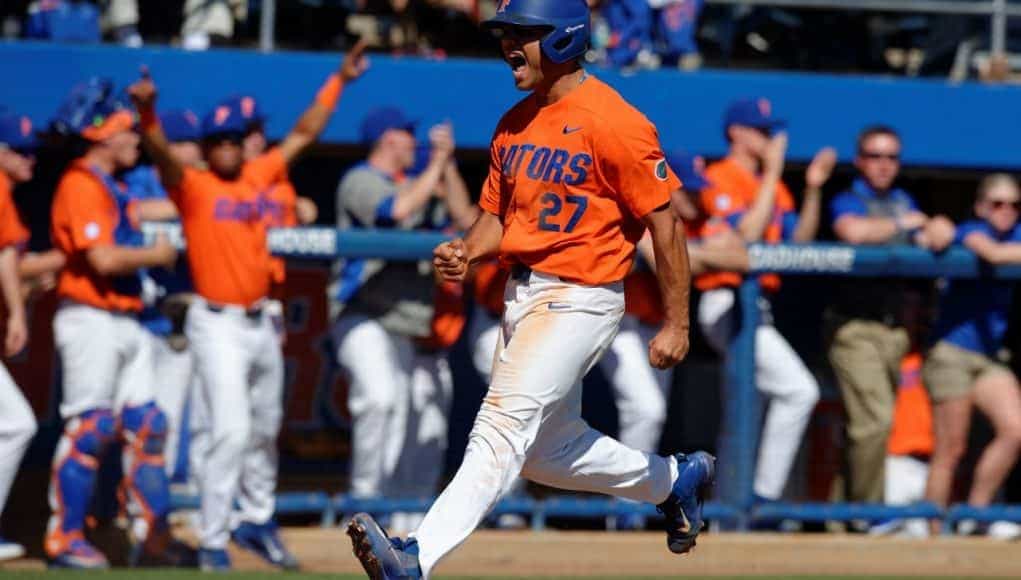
{"x": 516, "y": 60}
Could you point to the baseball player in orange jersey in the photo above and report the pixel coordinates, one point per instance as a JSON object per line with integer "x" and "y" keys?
{"x": 105, "y": 352}
{"x": 576, "y": 176}
{"x": 236, "y": 347}
{"x": 17, "y": 420}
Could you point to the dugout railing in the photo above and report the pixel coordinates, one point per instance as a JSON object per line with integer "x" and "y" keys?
{"x": 733, "y": 506}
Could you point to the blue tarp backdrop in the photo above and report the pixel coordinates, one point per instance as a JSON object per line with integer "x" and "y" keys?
{"x": 966, "y": 126}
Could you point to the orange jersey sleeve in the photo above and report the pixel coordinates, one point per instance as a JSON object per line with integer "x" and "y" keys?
{"x": 84, "y": 216}
{"x": 911, "y": 433}
{"x": 572, "y": 181}
{"x": 12, "y": 231}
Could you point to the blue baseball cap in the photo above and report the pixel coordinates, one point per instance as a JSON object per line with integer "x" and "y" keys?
{"x": 379, "y": 121}
{"x": 225, "y": 118}
{"x": 689, "y": 169}
{"x": 756, "y": 113}
{"x": 180, "y": 126}
{"x": 248, "y": 106}
{"x": 16, "y": 132}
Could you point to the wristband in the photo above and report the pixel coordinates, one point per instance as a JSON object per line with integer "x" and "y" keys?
{"x": 329, "y": 94}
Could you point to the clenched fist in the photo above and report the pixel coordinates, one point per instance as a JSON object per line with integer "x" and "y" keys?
{"x": 451, "y": 260}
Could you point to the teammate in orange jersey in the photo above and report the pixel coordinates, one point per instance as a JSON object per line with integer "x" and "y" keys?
{"x": 17, "y": 159}
{"x": 747, "y": 191}
{"x": 576, "y": 177}
{"x": 236, "y": 347}
{"x": 105, "y": 352}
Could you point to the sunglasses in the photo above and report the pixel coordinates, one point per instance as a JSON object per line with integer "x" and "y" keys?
{"x": 873, "y": 156}
{"x": 520, "y": 33}
{"x": 1000, "y": 204}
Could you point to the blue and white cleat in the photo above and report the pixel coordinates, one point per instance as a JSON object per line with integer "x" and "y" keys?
{"x": 80, "y": 555}
{"x": 383, "y": 557}
{"x": 214, "y": 560}
{"x": 683, "y": 509}
{"x": 264, "y": 541}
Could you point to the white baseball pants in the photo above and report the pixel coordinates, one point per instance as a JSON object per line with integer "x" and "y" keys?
{"x": 641, "y": 392}
{"x": 106, "y": 357}
{"x": 241, "y": 371}
{"x": 175, "y": 371}
{"x": 779, "y": 375}
{"x": 399, "y": 400}
{"x": 17, "y": 427}
{"x": 530, "y": 422}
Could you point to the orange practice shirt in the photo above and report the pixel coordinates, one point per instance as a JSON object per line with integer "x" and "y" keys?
{"x": 733, "y": 189}
{"x": 571, "y": 181}
{"x": 84, "y": 215}
{"x": 912, "y": 415}
{"x": 224, "y": 223}
{"x": 12, "y": 231}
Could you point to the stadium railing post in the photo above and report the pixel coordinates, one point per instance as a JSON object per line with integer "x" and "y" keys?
{"x": 741, "y": 410}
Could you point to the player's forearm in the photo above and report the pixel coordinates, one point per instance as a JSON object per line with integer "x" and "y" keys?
{"x": 865, "y": 230}
{"x": 754, "y": 222}
{"x": 483, "y": 238}
{"x": 155, "y": 142}
{"x": 673, "y": 270}
{"x": 705, "y": 259}
{"x": 313, "y": 121}
{"x": 808, "y": 219}
{"x": 121, "y": 260}
{"x": 32, "y": 265}
{"x": 11, "y": 283}
{"x": 418, "y": 193}
{"x": 156, "y": 210}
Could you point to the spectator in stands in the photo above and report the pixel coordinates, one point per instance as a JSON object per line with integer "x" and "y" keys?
{"x": 393, "y": 318}
{"x": 868, "y": 341}
{"x": 747, "y": 191}
{"x": 120, "y": 20}
{"x": 676, "y": 24}
{"x": 211, "y": 22}
{"x": 63, "y": 21}
{"x": 963, "y": 371}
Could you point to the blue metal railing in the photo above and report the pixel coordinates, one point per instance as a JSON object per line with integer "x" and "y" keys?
{"x": 740, "y": 428}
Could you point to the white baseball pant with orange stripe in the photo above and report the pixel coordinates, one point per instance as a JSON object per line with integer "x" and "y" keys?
{"x": 530, "y": 423}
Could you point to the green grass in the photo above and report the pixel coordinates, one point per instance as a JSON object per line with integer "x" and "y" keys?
{"x": 194, "y": 575}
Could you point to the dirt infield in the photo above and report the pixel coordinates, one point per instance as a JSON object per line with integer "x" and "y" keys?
{"x": 626, "y": 554}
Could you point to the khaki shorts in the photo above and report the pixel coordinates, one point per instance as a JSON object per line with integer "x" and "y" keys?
{"x": 951, "y": 371}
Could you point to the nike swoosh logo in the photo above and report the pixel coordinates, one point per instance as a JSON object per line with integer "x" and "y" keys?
{"x": 568, "y": 130}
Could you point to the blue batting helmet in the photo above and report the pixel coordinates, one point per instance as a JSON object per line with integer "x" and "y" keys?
{"x": 569, "y": 20}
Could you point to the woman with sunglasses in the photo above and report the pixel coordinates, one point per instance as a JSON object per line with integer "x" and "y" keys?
{"x": 962, "y": 370}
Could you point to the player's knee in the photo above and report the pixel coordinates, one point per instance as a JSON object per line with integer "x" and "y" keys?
{"x": 232, "y": 439}
{"x": 92, "y": 431}
{"x": 146, "y": 428}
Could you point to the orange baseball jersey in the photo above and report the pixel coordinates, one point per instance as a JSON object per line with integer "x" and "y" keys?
{"x": 642, "y": 298}
{"x": 12, "y": 231}
{"x": 84, "y": 215}
{"x": 571, "y": 181}
{"x": 224, "y": 223}
{"x": 449, "y": 317}
{"x": 731, "y": 193}
{"x": 912, "y": 415}
{"x": 282, "y": 214}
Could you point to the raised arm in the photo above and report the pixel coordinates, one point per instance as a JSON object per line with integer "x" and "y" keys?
{"x": 754, "y": 222}
{"x": 817, "y": 174}
{"x": 143, "y": 94}
{"x": 673, "y": 272}
{"x": 312, "y": 122}
{"x": 420, "y": 190}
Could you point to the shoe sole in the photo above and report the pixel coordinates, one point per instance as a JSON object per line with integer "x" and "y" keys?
{"x": 363, "y": 547}
{"x": 685, "y": 547}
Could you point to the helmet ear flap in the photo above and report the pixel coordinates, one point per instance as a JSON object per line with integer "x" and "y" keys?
{"x": 566, "y": 43}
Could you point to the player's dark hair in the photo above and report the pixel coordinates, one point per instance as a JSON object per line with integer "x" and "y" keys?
{"x": 874, "y": 131}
